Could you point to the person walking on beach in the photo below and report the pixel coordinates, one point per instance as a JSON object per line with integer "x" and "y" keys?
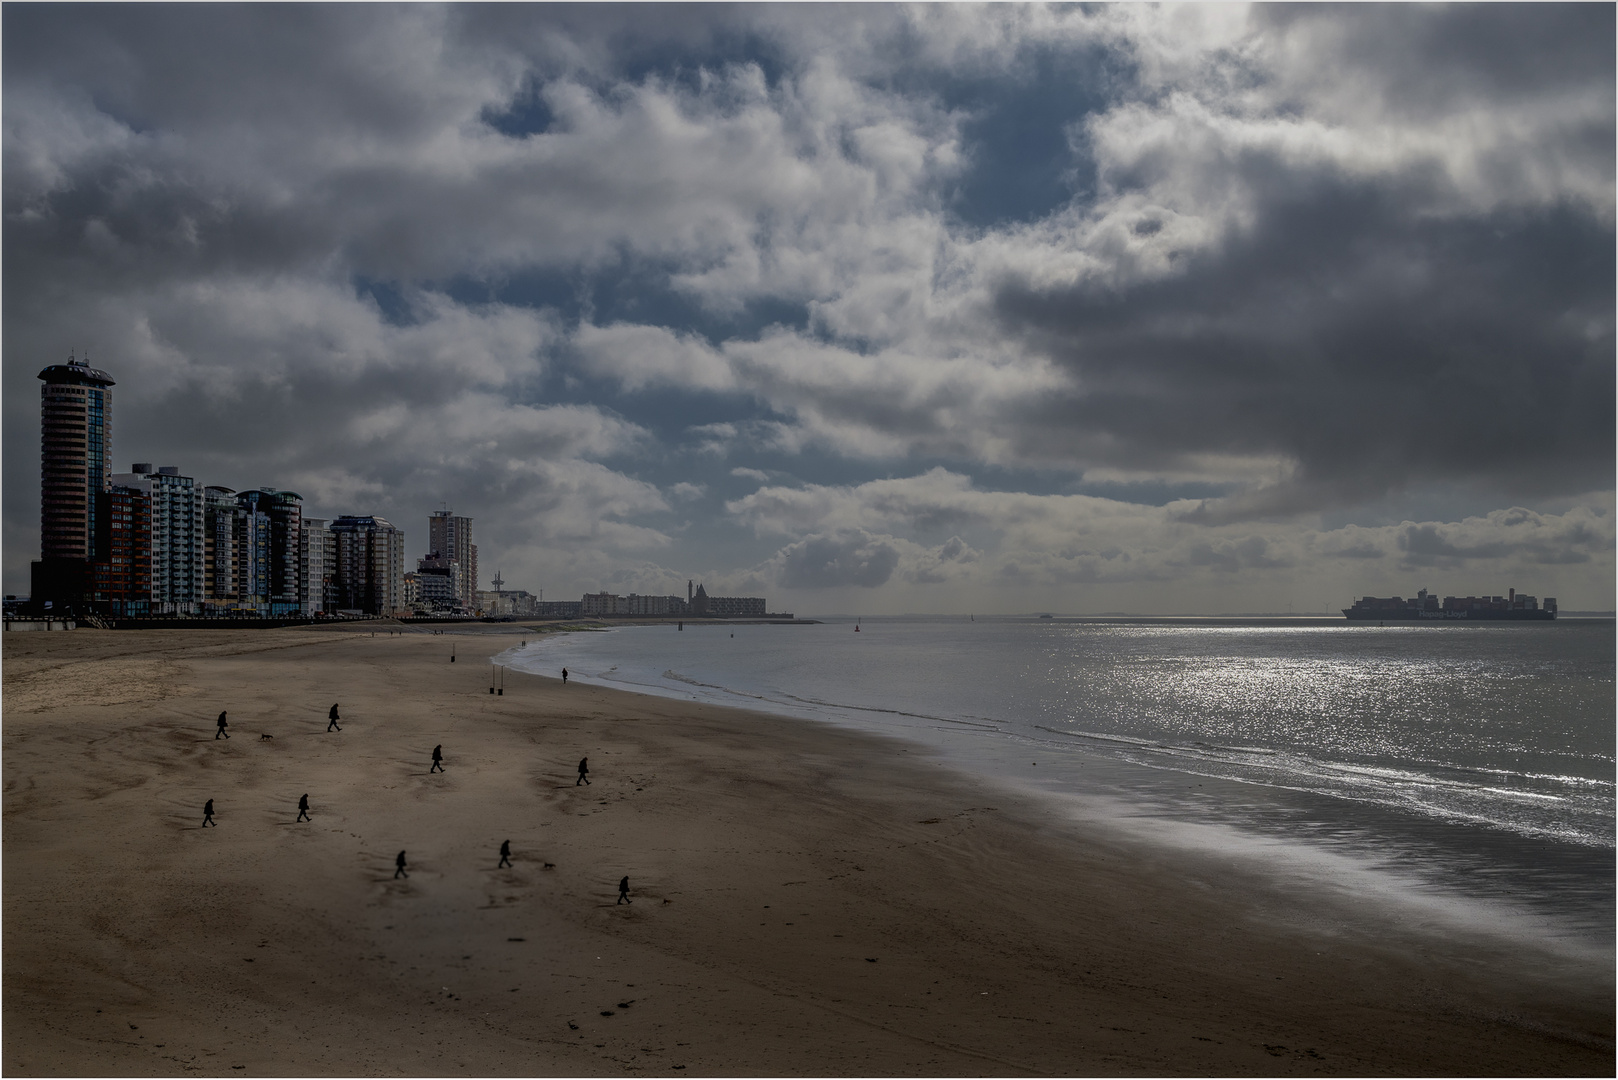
{"x": 564, "y": 675}
{"x": 331, "y": 719}
{"x": 221, "y": 730}
{"x": 505, "y": 854}
{"x": 207, "y": 815}
{"x": 399, "y": 867}
{"x": 623, "y": 891}
{"x": 584, "y": 772}
{"x": 438, "y": 758}
{"x": 303, "y": 809}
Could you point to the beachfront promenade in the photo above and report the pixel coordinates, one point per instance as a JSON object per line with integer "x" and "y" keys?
{"x": 807, "y": 900}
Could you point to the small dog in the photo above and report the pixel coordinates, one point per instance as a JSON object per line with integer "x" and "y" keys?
{"x": 550, "y": 866}
{"x": 266, "y": 736}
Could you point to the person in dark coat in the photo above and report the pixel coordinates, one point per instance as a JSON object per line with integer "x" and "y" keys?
{"x": 505, "y": 854}
{"x": 623, "y": 891}
{"x": 207, "y": 815}
{"x": 303, "y": 809}
{"x": 331, "y": 720}
{"x": 399, "y": 867}
{"x": 584, "y": 772}
{"x": 438, "y": 758}
{"x": 221, "y": 730}
{"x": 564, "y": 674}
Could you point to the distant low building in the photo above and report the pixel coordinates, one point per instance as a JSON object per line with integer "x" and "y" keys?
{"x": 721, "y": 607}
{"x": 596, "y": 605}
{"x": 695, "y": 604}
{"x": 502, "y": 603}
{"x": 435, "y": 587}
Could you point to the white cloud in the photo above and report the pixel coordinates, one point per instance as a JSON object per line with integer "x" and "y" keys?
{"x": 853, "y": 535}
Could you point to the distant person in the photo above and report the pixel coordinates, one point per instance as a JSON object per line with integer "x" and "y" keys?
{"x": 399, "y": 867}
{"x": 623, "y": 891}
{"x": 564, "y": 675}
{"x": 207, "y": 815}
{"x": 584, "y": 772}
{"x": 303, "y": 809}
{"x": 438, "y": 759}
{"x": 222, "y": 726}
{"x": 505, "y": 854}
{"x": 331, "y": 720}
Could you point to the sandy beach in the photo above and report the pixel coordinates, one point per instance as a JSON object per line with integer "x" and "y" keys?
{"x": 805, "y": 900}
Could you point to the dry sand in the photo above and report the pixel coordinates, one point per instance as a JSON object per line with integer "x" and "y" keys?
{"x": 806, "y": 900}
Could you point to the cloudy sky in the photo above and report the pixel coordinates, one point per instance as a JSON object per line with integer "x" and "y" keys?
{"x": 863, "y": 309}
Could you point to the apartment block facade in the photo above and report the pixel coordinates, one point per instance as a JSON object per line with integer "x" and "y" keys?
{"x": 369, "y": 565}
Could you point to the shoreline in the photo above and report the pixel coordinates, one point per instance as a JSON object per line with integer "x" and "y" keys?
{"x": 808, "y": 899}
{"x": 1465, "y": 873}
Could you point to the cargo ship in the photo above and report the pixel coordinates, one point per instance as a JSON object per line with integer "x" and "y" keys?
{"x": 1424, "y": 607}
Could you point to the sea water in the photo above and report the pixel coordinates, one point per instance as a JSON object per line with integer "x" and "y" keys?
{"x": 1466, "y": 763}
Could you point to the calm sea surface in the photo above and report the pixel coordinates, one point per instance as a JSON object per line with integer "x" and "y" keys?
{"x": 1469, "y": 763}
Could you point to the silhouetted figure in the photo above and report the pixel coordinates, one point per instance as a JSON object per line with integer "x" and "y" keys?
{"x": 438, "y": 759}
{"x": 221, "y": 730}
{"x": 207, "y": 815}
{"x": 331, "y": 720}
{"x": 623, "y": 891}
{"x": 505, "y": 854}
{"x": 564, "y": 675}
{"x": 399, "y": 867}
{"x": 303, "y": 809}
{"x": 584, "y": 772}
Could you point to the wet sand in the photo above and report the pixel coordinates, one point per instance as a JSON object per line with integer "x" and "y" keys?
{"x": 806, "y": 900}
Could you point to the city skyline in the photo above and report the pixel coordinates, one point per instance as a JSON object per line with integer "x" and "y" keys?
{"x": 880, "y": 310}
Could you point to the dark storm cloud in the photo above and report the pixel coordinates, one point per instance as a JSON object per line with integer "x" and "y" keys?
{"x": 1432, "y": 58}
{"x": 1514, "y": 533}
{"x": 1374, "y": 348}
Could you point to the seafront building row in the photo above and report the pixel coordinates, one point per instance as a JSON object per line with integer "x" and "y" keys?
{"x": 156, "y": 542}
{"x": 695, "y": 604}
{"x": 153, "y": 542}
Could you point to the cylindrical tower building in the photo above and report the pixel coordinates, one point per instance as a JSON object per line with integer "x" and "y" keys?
{"x": 75, "y": 458}
{"x": 75, "y": 468}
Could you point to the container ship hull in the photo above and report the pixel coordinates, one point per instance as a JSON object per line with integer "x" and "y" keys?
{"x": 1362, "y": 615}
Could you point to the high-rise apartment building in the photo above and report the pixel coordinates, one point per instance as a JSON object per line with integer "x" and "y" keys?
{"x": 123, "y": 567}
{"x": 270, "y": 550}
{"x": 220, "y": 554}
{"x": 450, "y": 538}
{"x": 370, "y": 564}
{"x": 179, "y": 548}
{"x": 75, "y": 467}
{"x": 317, "y": 568}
